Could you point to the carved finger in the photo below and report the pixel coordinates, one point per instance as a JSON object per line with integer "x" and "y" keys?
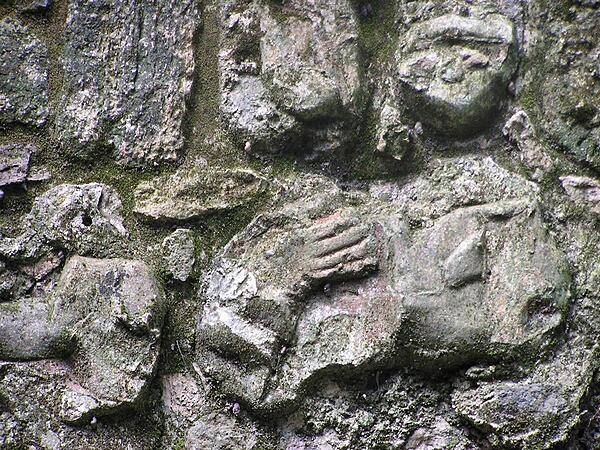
{"x": 329, "y": 227}
{"x": 348, "y": 254}
{"x": 346, "y": 239}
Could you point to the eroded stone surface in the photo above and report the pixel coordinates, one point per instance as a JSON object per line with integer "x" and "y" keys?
{"x": 128, "y": 70}
{"x": 81, "y": 218}
{"x": 105, "y": 315}
{"x": 419, "y": 271}
{"x": 192, "y": 194}
{"x": 289, "y": 72}
{"x": 330, "y": 284}
{"x": 179, "y": 253}
{"x": 23, "y": 75}
{"x": 583, "y": 190}
{"x": 539, "y": 411}
{"x": 29, "y": 413}
{"x": 14, "y": 163}
{"x": 564, "y": 90}
{"x": 455, "y": 69}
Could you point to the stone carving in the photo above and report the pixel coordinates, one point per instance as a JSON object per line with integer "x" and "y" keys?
{"x": 381, "y": 234}
{"x": 104, "y": 315}
{"x": 455, "y": 69}
{"x": 290, "y": 73}
{"x": 342, "y": 284}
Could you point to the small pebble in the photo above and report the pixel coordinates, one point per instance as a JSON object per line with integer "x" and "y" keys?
{"x": 418, "y": 129}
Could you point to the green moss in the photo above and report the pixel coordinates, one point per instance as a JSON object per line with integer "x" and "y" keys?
{"x": 377, "y": 35}
{"x": 179, "y": 445}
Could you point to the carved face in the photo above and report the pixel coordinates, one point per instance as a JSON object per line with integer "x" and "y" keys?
{"x": 454, "y": 70}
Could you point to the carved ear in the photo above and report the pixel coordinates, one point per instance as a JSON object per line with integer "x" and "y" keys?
{"x": 467, "y": 261}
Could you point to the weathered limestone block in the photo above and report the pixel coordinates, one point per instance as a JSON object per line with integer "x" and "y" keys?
{"x": 14, "y": 163}
{"x": 84, "y": 219}
{"x": 105, "y": 316}
{"x": 79, "y": 218}
{"x": 539, "y": 411}
{"x": 30, "y": 413}
{"x": 561, "y": 87}
{"x": 128, "y": 70}
{"x": 189, "y": 195}
{"x": 221, "y": 432}
{"x": 453, "y": 70}
{"x": 179, "y": 253}
{"x": 333, "y": 283}
{"x": 393, "y": 136}
{"x": 289, "y": 71}
{"x": 23, "y": 75}
{"x": 584, "y": 191}
{"x": 440, "y": 436}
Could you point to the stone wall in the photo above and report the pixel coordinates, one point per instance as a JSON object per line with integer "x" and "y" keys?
{"x": 299, "y": 224}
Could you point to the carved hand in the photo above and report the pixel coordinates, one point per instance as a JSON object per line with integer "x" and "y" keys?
{"x": 339, "y": 248}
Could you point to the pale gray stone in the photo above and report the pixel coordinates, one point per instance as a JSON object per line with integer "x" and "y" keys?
{"x": 583, "y": 190}
{"x": 454, "y": 70}
{"x": 179, "y": 253}
{"x": 328, "y": 283}
{"x": 105, "y": 316}
{"x": 290, "y": 72}
{"x": 191, "y": 194}
{"x": 80, "y": 218}
{"x": 14, "y": 163}
{"x": 23, "y": 75}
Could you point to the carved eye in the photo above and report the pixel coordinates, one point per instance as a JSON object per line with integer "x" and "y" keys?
{"x": 467, "y": 262}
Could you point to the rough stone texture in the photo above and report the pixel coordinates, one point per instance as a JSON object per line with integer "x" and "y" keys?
{"x": 179, "y": 253}
{"x": 29, "y": 414}
{"x": 106, "y": 316}
{"x": 563, "y": 84}
{"x": 455, "y": 69}
{"x": 377, "y": 227}
{"x": 198, "y": 192}
{"x": 128, "y": 70}
{"x": 583, "y": 190}
{"x": 290, "y": 71}
{"x": 321, "y": 286}
{"x": 14, "y": 163}
{"x": 35, "y": 6}
{"x": 23, "y": 75}
{"x": 79, "y": 218}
